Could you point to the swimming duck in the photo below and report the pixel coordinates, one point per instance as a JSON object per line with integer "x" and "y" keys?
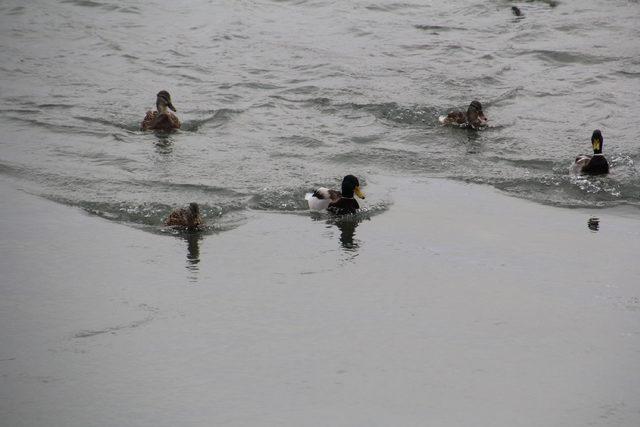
{"x": 188, "y": 218}
{"x": 473, "y": 118}
{"x": 516, "y": 11}
{"x": 162, "y": 119}
{"x": 596, "y": 164}
{"x": 337, "y": 202}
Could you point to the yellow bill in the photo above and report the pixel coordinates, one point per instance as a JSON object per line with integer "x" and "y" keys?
{"x": 597, "y": 144}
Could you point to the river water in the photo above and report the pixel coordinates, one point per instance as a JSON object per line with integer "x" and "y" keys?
{"x": 278, "y": 97}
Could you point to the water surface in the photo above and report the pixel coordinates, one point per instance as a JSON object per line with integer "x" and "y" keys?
{"x": 278, "y": 97}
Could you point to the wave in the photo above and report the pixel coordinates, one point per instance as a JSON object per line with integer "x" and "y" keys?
{"x": 403, "y": 115}
{"x": 563, "y": 57}
{"x": 436, "y": 28}
{"x": 301, "y": 141}
{"x": 218, "y": 118}
{"x": 55, "y": 127}
{"x": 151, "y": 216}
{"x": 567, "y": 191}
{"x": 104, "y": 6}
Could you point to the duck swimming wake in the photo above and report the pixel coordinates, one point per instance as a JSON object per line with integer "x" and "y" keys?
{"x": 162, "y": 119}
{"x": 337, "y": 202}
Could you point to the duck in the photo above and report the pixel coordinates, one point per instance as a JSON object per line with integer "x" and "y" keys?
{"x": 516, "y": 11}
{"x": 337, "y": 202}
{"x": 188, "y": 218}
{"x": 162, "y": 119}
{"x": 474, "y": 118}
{"x": 595, "y": 164}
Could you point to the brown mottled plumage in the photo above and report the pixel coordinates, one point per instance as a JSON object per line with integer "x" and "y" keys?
{"x": 473, "y": 118}
{"x": 162, "y": 119}
{"x": 164, "y": 122}
{"x": 186, "y": 217}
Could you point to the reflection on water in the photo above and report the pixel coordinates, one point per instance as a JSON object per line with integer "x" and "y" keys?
{"x": 347, "y": 225}
{"x": 164, "y": 144}
{"x": 347, "y": 231}
{"x": 474, "y": 142}
{"x": 593, "y": 224}
{"x": 193, "y": 254}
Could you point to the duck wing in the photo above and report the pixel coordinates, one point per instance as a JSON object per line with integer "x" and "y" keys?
{"x": 454, "y": 117}
{"x": 597, "y": 165}
{"x": 149, "y": 120}
{"x": 178, "y": 217}
{"x": 334, "y": 195}
{"x": 166, "y": 122}
{"x": 343, "y": 206}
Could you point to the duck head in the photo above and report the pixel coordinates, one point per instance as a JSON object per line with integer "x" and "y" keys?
{"x": 194, "y": 209}
{"x": 475, "y": 116}
{"x": 597, "y": 141}
{"x": 351, "y": 185}
{"x": 163, "y": 101}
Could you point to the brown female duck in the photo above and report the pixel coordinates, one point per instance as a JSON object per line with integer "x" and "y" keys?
{"x": 188, "y": 218}
{"x": 162, "y": 119}
{"x": 473, "y": 118}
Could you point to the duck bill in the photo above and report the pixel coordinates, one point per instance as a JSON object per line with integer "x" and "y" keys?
{"x": 597, "y": 145}
{"x": 171, "y": 107}
{"x": 358, "y": 192}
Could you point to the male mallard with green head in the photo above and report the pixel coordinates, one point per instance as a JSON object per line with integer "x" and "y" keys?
{"x": 337, "y": 202}
{"x": 188, "y": 218}
{"x": 473, "y": 118}
{"x": 162, "y": 119}
{"x": 596, "y": 164}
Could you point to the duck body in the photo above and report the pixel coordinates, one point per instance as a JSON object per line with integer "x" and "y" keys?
{"x": 162, "y": 119}
{"x": 320, "y": 199}
{"x": 165, "y": 122}
{"x": 188, "y": 218}
{"x": 473, "y": 118}
{"x": 344, "y": 206}
{"x": 337, "y": 202}
{"x": 591, "y": 165}
{"x": 595, "y": 164}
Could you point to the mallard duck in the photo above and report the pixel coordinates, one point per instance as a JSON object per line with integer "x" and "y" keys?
{"x": 188, "y": 218}
{"x": 337, "y": 202}
{"x": 473, "y": 118}
{"x": 162, "y": 119}
{"x": 596, "y": 164}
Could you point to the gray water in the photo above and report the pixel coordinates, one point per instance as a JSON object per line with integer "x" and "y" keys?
{"x": 278, "y": 97}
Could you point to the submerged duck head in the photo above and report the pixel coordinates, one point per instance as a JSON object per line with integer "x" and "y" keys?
{"x": 475, "y": 116}
{"x": 351, "y": 185}
{"x": 597, "y": 141}
{"x": 163, "y": 101}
